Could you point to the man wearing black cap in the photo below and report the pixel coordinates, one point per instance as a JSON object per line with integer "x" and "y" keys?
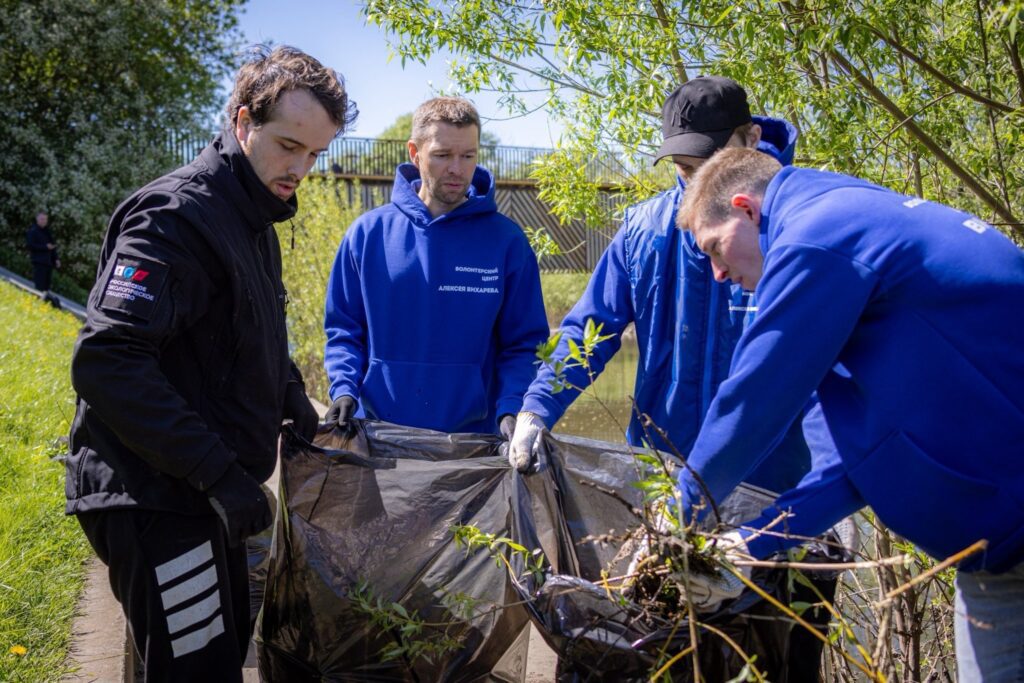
{"x": 687, "y": 324}
{"x": 653, "y": 275}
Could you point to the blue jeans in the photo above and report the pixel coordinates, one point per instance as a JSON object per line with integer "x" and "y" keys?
{"x": 989, "y": 626}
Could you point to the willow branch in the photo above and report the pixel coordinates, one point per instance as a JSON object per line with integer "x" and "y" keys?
{"x": 926, "y": 140}
{"x": 1013, "y": 49}
{"x": 533, "y": 72}
{"x": 943, "y": 78}
{"x": 669, "y": 30}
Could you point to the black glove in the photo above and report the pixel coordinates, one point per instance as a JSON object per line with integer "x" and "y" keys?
{"x": 339, "y": 415}
{"x": 240, "y": 503}
{"x": 300, "y": 410}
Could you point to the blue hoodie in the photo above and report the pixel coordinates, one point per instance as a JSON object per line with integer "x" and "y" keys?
{"x": 687, "y": 325}
{"x": 434, "y": 322}
{"x": 917, "y": 314}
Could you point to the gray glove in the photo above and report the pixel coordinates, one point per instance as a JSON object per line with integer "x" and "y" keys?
{"x": 525, "y": 441}
{"x": 240, "y": 504}
{"x": 506, "y": 426}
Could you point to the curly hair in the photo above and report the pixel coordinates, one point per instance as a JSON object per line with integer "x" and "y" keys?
{"x": 268, "y": 74}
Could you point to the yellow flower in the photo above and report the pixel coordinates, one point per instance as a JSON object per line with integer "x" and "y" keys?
{"x": 19, "y": 650}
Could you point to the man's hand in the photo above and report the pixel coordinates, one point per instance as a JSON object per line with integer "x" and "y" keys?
{"x": 301, "y": 412}
{"x": 507, "y": 426}
{"x": 705, "y": 591}
{"x": 339, "y": 415}
{"x": 642, "y": 556}
{"x": 240, "y": 503}
{"x": 525, "y": 441}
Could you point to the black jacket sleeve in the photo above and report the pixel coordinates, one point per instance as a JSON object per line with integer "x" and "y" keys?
{"x": 153, "y": 285}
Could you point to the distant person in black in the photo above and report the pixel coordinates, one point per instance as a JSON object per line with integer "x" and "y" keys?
{"x": 183, "y": 375}
{"x": 42, "y": 250}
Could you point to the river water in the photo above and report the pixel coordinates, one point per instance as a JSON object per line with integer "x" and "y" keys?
{"x": 602, "y": 412}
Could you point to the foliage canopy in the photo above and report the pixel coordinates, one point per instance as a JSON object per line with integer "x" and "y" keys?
{"x": 924, "y": 97}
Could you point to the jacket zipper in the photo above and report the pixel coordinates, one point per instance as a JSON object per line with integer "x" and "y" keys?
{"x": 263, "y": 265}
{"x": 711, "y": 332}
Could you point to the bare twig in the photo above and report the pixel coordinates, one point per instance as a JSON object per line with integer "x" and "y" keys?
{"x": 826, "y": 566}
{"x": 948, "y": 562}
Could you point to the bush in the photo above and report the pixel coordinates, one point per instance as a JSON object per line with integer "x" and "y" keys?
{"x": 324, "y": 216}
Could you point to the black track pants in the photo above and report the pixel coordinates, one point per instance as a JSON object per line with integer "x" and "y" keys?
{"x": 184, "y": 591}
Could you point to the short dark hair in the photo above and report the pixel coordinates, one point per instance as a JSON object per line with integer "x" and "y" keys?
{"x": 268, "y": 74}
{"x": 728, "y": 172}
{"x": 455, "y": 111}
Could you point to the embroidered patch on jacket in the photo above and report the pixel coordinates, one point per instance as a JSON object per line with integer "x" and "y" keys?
{"x": 134, "y": 286}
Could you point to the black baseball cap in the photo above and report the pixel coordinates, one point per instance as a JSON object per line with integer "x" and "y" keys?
{"x": 700, "y": 115}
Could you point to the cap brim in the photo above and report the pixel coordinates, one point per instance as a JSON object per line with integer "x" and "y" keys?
{"x": 701, "y": 145}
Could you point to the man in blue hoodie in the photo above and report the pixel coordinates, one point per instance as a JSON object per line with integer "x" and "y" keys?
{"x": 916, "y": 358}
{"x": 434, "y": 306}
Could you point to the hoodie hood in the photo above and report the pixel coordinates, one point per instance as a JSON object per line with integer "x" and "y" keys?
{"x": 805, "y": 185}
{"x": 778, "y": 138}
{"x": 479, "y": 198}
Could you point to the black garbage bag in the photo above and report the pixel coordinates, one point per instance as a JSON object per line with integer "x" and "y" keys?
{"x": 373, "y": 523}
{"x": 599, "y": 638}
{"x": 257, "y": 550}
{"x": 370, "y": 519}
{"x": 596, "y": 636}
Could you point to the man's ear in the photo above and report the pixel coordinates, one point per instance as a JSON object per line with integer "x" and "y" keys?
{"x": 414, "y": 153}
{"x": 244, "y": 125}
{"x": 753, "y": 136}
{"x": 749, "y": 205}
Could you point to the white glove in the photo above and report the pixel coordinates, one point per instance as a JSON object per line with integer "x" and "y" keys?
{"x": 525, "y": 440}
{"x": 707, "y": 592}
{"x": 849, "y": 535}
{"x": 642, "y": 554}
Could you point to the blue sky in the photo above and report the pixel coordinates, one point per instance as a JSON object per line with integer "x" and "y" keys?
{"x": 336, "y": 34}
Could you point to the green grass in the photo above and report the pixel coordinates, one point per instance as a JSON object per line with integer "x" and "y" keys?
{"x": 561, "y": 292}
{"x": 42, "y": 552}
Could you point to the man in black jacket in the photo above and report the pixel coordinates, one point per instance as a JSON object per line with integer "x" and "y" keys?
{"x": 42, "y": 251}
{"x": 183, "y": 375}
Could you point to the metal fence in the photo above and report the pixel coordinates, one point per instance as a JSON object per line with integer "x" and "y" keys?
{"x": 366, "y": 166}
{"x": 370, "y": 157}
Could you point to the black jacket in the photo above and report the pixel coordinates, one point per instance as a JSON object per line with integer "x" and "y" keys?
{"x": 182, "y": 364}
{"x": 36, "y": 239}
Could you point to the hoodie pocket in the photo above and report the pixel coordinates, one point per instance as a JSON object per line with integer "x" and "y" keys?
{"x": 936, "y": 508}
{"x": 442, "y": 396}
